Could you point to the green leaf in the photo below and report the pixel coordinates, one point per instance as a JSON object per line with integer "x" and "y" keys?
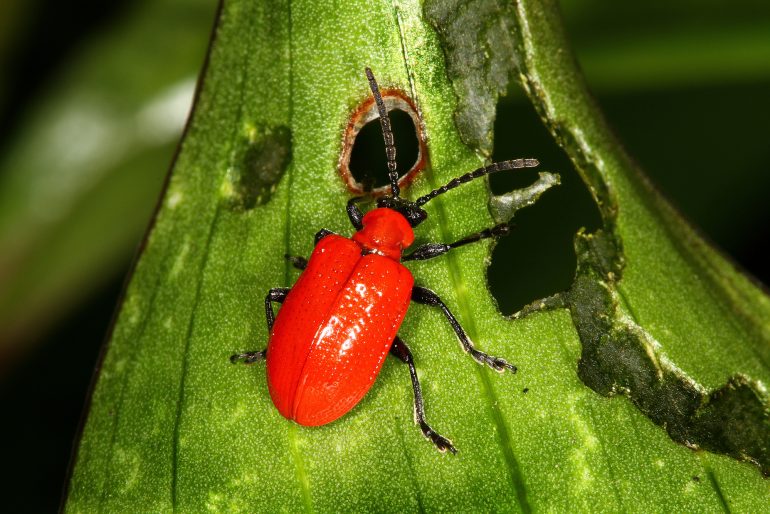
{"x": 654, "y": 314}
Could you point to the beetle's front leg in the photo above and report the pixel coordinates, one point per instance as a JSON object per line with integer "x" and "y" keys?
{"x": 431, "y": 250}
{"x": 426, "y": 296}
{"x": 401, "y": 350}
{"x": 278, "y": 295}
{"x": 354, "y": 213}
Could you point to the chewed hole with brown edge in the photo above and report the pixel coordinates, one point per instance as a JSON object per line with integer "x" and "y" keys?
{"x": 363, "y": 165}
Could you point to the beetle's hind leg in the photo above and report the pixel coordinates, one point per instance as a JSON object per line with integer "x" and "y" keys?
{"x": 278, "y": 295}
{"x": 426, "y": 296}
{"x": 401, "y": 350}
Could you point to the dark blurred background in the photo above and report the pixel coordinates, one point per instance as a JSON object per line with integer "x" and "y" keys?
{"x": 93, "y": 97}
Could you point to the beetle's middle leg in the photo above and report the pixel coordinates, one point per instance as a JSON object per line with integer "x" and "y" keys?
{"x": 401, "y": 350}
{"x": 431, "y": 250}
{"x": 278, "y": 295}
{"x": 426, "y": 296}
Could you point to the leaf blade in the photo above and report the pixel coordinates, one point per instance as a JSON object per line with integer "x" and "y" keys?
{"x": 212, "y": 439}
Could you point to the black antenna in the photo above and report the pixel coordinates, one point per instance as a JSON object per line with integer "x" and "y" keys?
{"x": 486, "y": 170}
{"x": 387, "y": 134}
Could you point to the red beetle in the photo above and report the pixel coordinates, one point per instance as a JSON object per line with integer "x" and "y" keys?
{"x": 341, "y": 319}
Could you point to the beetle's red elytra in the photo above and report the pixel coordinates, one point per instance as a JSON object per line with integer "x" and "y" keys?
{"x": 341, "y": 318}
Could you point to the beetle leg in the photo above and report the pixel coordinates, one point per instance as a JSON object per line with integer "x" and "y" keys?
{"x": 354, "y": 213}
{"x": 401, "y": 350}
{"x": 296, "y": 261}
{"x": 426, "y": 296}
{"x": 276, "y": 294}
{"x": 249, "y": 357}
{"x": 321, "y": 234}
{"x": 431, "y": 250}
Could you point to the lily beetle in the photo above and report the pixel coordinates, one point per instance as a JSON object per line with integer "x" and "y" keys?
{"x": 341, "y": 318}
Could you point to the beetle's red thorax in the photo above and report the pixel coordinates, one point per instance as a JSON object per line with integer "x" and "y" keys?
{"x": 385, "y": 232}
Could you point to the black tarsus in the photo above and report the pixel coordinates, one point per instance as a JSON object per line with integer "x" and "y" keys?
{"x": 249, "y": 357}
{"x": 321, "y": 234}
{"x": 400, "y": 350}
{"x": 431, "y": 250}
{"x": 427, "y": 297}
{"x": 387, "y": 134}
{"x": 278, "y": 295}
{"x": 486, "y": 170}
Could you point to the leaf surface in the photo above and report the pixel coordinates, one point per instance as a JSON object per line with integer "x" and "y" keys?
{"x": 174, "y": 425}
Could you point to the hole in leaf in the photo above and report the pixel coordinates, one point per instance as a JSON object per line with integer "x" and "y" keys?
{"x": 538, "y": 258}
{"x": 367, "y": 159}
{"x": 363, "y": 164}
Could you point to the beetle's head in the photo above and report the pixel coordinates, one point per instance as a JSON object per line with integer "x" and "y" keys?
{"x": 413, "y": 213}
